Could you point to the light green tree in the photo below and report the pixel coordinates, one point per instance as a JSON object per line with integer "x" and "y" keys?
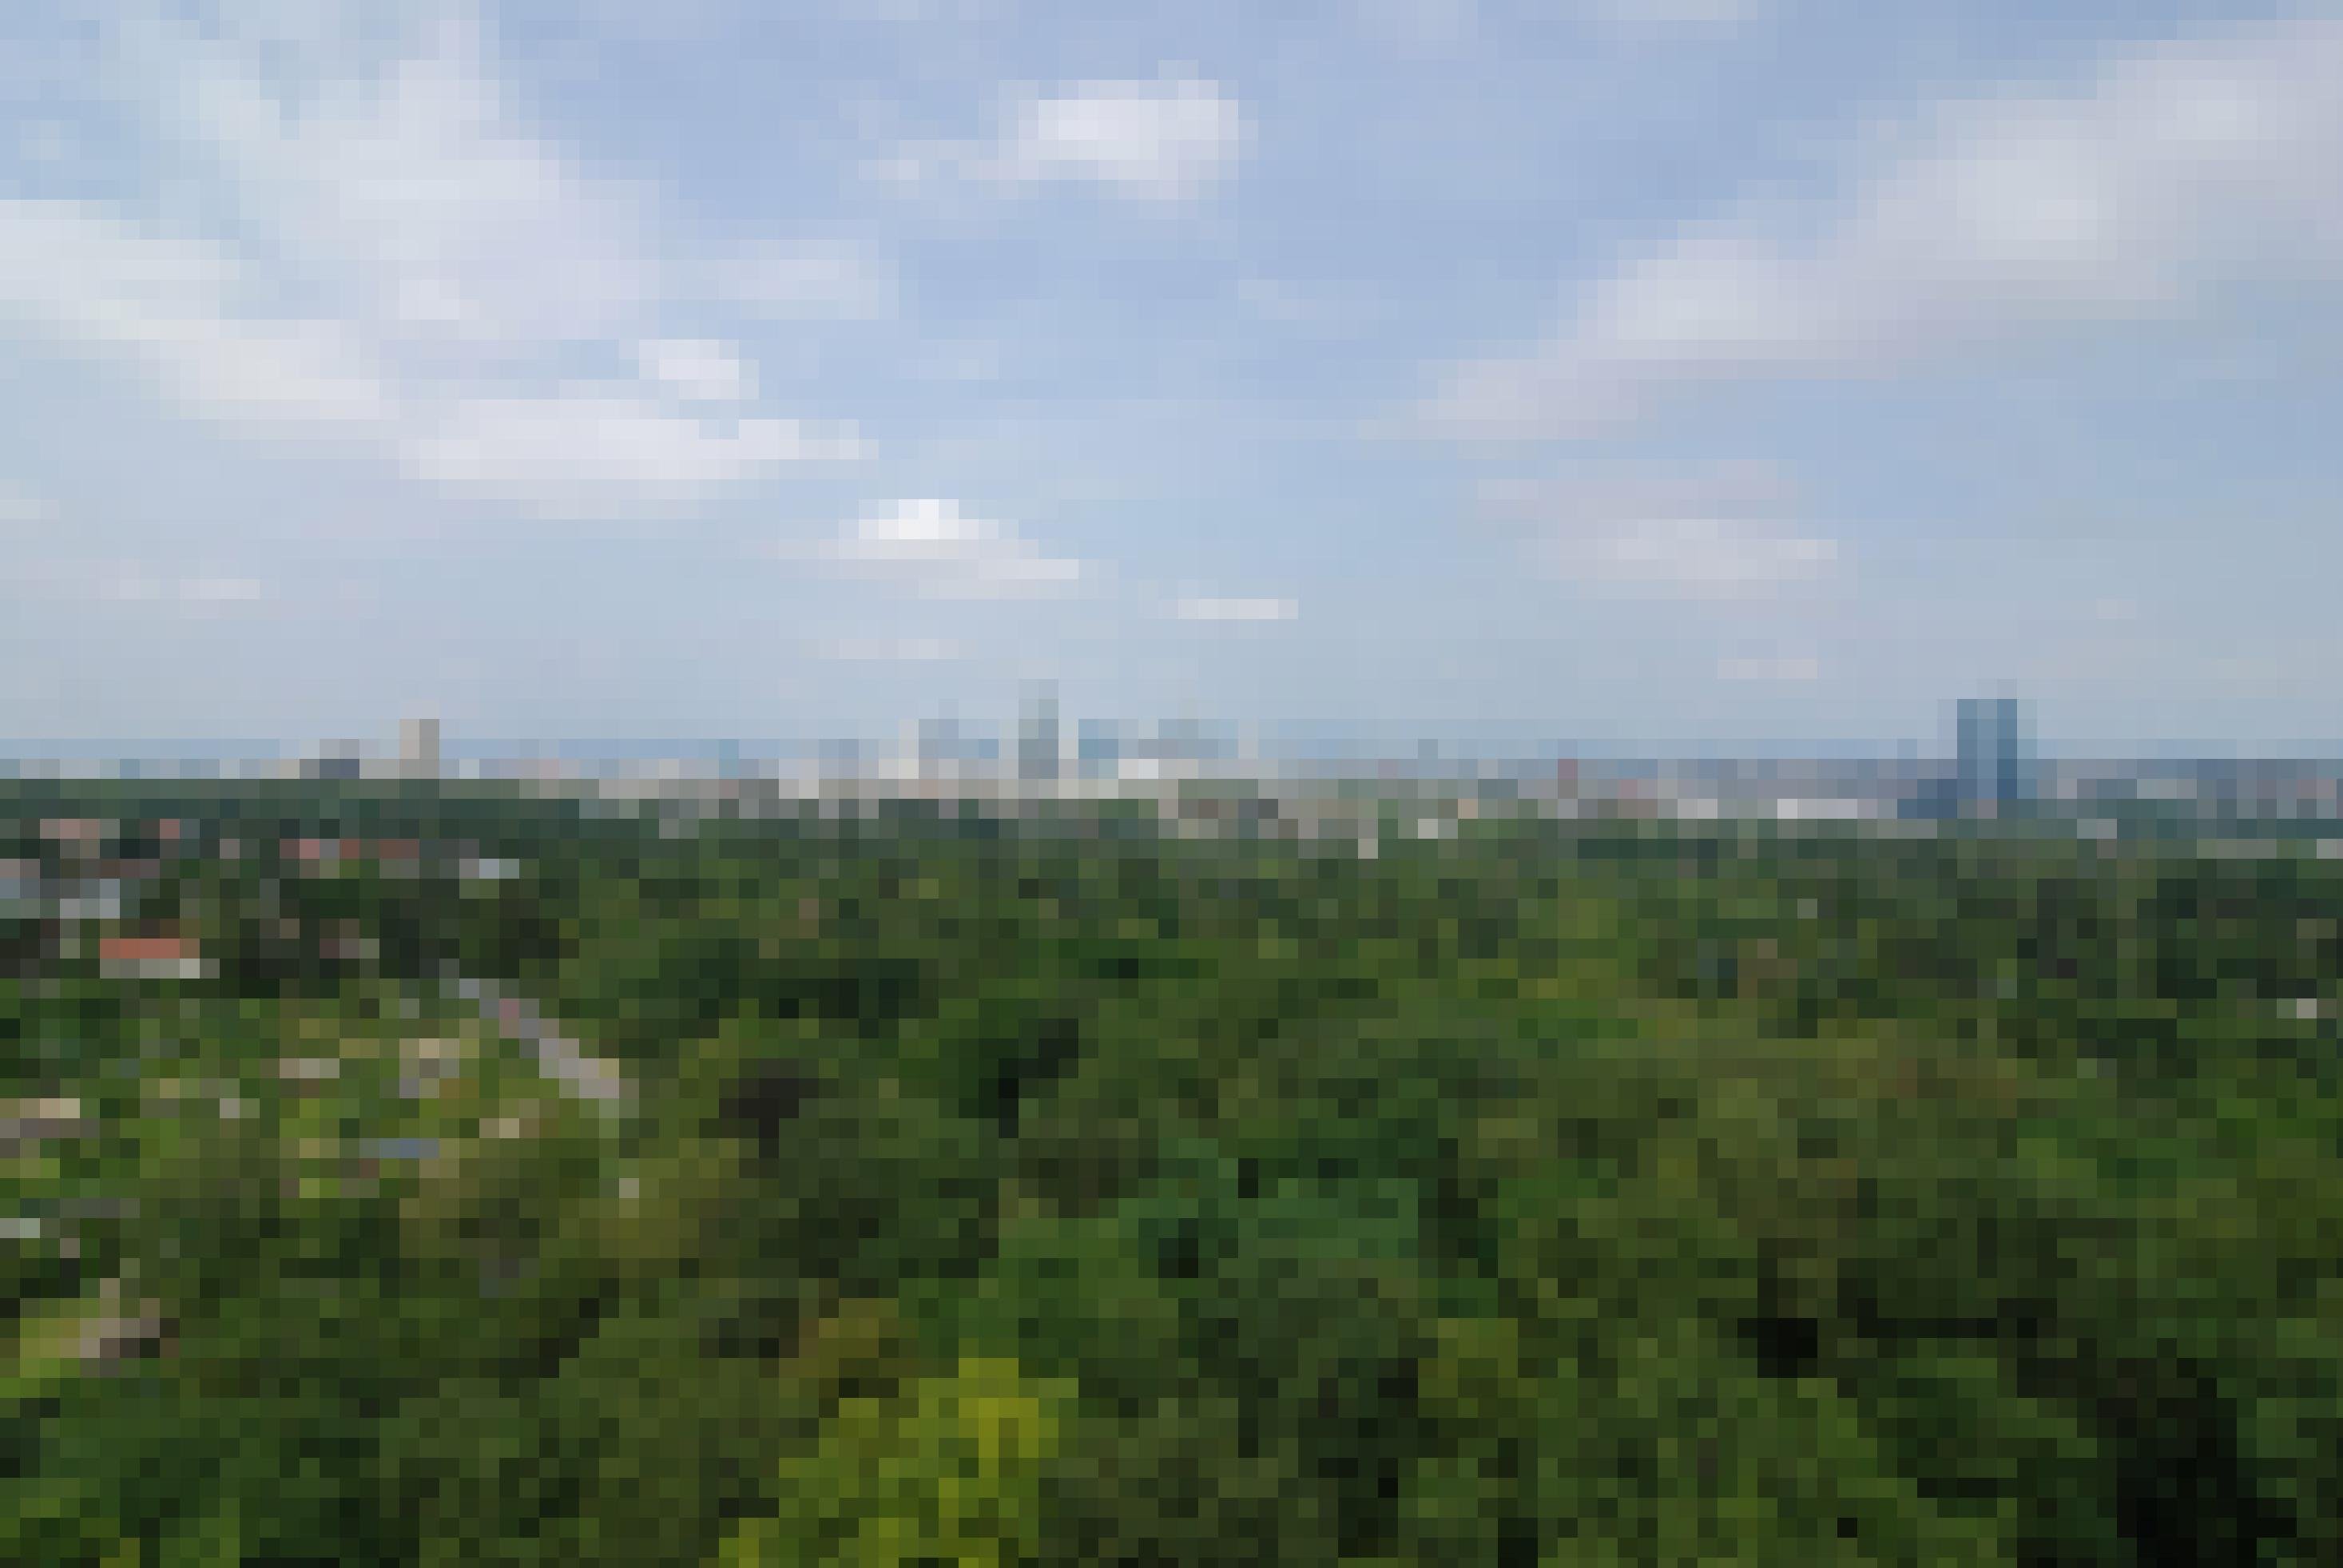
{"x": 948, "y": 1469}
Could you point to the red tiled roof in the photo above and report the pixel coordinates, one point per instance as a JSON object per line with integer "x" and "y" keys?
{"x": 144, "y": 950}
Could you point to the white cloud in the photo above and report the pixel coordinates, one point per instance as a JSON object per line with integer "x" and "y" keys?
{"x": 1236, "y": 609}
{"x": 76, "y": 274}
{"x": 595, "y": 452}
{"x": 1774, "y": 669}
{"x": 696, "y": 369}
{"x": 1168, "y": 139}
{"x": 352, "y": 231}
{"x": 376, "y": 170}
{"x": 2183, "y": 167}
{"x": 1698, "y": 532}
{"x": 941, "y": 552}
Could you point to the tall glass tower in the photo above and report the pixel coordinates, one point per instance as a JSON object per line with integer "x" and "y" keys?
{"x": 1990, "y": 770}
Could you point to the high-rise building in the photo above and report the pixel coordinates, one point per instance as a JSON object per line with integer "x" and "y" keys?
{"x": 1036, "y": 737}
{"x": 1098, "y": 746}
{"x": 1990, "y": 773}
{"x": 942, "y": 746}
{"x": 419, "y": 747}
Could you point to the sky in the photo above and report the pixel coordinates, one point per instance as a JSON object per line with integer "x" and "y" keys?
{"x": 1584, "y": 371}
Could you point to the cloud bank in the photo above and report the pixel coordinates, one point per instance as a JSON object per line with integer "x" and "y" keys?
{"x": 355, "y": 236}
{"x": 2182, "y": 168}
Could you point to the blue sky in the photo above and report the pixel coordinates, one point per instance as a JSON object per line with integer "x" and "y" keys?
{"x": 1601, "y": 370}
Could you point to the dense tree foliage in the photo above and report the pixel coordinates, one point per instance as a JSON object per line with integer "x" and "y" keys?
{"x": 1062, "y": 1191}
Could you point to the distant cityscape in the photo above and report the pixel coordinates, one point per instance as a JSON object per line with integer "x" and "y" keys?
{"x": 1992, "y": 769}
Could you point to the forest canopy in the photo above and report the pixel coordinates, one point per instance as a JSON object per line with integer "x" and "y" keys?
{"x": 515, "y": 1182}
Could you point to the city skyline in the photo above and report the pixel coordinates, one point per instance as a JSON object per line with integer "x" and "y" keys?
{"x": 1035, "y": 740}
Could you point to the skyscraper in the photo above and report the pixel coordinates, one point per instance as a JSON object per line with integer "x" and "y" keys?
{"x": 1098, "y": 746}
{"x": 1037, "y": 738}
{"x": 1990, "y": 773}
{"x": 419, "y": 747}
